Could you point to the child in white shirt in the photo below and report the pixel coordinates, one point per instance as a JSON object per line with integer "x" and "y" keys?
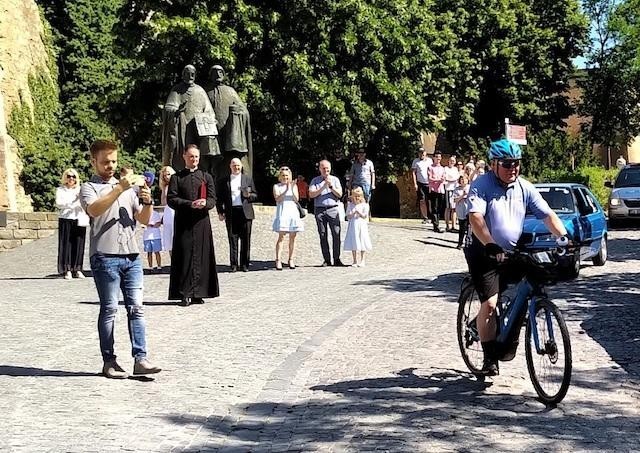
{"x": 152, "y": 239}
{"x": 357, "y": 238}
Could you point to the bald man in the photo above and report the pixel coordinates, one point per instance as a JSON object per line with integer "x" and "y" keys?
{"x": 326, "y": 191}
{"x": 236, "y": 193}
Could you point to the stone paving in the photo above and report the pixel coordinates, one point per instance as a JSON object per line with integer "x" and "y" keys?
{"x": 312, "y": 359}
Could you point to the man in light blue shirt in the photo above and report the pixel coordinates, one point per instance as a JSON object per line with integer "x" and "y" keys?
{"x": 326, "y": 191}
{"x": 498, "y": 201}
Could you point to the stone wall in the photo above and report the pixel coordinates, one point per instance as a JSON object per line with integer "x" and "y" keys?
{"x": 24, "y": 227}
{"x": 22, "y": 50}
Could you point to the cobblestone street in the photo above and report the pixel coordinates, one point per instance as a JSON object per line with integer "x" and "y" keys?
{"x": 312, "y": 359}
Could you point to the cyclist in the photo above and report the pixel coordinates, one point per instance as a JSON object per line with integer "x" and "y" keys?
{"x": 497, "y": 204}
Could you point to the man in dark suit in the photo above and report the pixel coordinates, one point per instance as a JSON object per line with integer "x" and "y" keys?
{"x": 236, "y": 193}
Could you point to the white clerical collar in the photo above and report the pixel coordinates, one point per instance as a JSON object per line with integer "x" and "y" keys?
{"x": 193, "y": 169}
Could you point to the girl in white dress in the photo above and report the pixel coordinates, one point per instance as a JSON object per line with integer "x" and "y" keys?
{"x": 357, "y": 238}
{"x": 287, "y": 220}
{"x": 167, "y": 213}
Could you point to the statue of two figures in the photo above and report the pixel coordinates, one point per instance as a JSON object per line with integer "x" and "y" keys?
{"x": 216, "y": 120}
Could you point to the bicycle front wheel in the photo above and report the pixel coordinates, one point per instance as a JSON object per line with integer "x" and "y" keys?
{"x": 550, "y": 366}
{"x": 468, "y": 338}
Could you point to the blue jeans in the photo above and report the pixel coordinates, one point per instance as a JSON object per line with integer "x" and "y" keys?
{"x": 112, "y": 274}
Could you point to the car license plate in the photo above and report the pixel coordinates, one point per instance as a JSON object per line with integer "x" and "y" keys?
{"x": 634, "y": 211}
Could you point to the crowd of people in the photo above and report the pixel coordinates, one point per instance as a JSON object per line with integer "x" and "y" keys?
{"x": 114, "y": 207}
{"x": 442, "y": 190}
{"x": 441, "y": 195}
{"x": 181, "y": 226}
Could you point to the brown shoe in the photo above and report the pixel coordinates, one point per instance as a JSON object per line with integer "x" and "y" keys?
{"x": 144, "y": 367}
{"x": 112, "y": 370}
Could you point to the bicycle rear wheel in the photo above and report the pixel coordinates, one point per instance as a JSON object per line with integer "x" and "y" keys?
{"x": 549, "y": 369}
{"x": 468, "y": 338}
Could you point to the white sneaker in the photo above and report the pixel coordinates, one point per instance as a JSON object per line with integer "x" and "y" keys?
{"x": 67, "y": 275}
{"x": 79, "y": 275}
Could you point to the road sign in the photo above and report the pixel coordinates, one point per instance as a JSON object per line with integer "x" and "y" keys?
{"x": 517, "y": 134}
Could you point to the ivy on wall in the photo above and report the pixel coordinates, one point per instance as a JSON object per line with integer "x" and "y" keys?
{"x": 44, "y": 143}
{"x": 35, "y": 127}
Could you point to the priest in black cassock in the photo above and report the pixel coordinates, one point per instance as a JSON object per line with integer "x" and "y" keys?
{"x": 193, "y": 263}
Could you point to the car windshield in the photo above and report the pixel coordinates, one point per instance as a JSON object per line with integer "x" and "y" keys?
{"x": 558, "y": 198}
{"x": 628, "y": 177}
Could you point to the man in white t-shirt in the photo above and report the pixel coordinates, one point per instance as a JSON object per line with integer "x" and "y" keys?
{"x": 419, "y": 168}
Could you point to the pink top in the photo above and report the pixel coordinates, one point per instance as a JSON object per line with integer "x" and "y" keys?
{"x": 436, "y": 178}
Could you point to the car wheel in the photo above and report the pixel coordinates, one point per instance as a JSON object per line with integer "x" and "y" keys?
{"x": 601, "y": 257}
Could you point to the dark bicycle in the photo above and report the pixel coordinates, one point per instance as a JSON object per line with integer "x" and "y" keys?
{"x": 547, "y": 345}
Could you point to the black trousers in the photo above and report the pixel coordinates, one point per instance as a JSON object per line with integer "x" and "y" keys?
{"x": 462, "y": 230}
{"x": 71, "y": 238}
{"x": 239, "y": 229}
{"x": 436, "y": 205}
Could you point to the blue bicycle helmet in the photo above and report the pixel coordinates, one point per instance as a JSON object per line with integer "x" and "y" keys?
{"x": 504, "y": 149}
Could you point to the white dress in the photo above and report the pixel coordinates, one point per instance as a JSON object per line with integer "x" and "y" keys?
{"x": 357, "y": 237}
{"x": 167, "y": 226}
{"x": 287, "y": 218}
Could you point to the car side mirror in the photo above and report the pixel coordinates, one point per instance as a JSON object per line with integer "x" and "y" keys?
{"x": 608, "y": 184}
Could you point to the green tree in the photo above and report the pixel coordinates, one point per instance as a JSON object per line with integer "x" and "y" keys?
{"x": 95, "y": 77}
{"x": 320, "y": 77}
{"x": 516, "y": 59}
{"x": 612, "y": 86}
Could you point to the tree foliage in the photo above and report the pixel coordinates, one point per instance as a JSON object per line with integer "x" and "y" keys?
{"x": 612, "y": 86}
{"x": 516, "y": 59}
{"x": 321, "y": 77}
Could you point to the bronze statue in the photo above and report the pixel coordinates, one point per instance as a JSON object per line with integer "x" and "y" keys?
{"x": 234, "y": 127}
{"x": 187, "y": 118}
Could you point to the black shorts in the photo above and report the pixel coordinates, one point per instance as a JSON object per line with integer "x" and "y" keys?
{"x": 423, "y": 191}
{"x": 489, "y": 277}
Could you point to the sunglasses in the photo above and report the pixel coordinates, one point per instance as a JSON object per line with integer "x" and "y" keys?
{"x": 71, "y": 177}
{"x": 509, "y": 164}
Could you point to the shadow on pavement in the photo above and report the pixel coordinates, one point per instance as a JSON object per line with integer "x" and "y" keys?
{"x": 609, "y": 307}
{"x": 621, "y": 250}
{"x": 149, "y": 303}
{"x": 446, "y": 408}
{"x": 447, "y": 284}
{"x": 45, "y": 277}
{"x": 16, "y": 371}
{"x": 438, "y": 244}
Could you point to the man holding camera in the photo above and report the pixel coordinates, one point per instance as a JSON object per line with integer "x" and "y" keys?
{"x": 116, "y": 264}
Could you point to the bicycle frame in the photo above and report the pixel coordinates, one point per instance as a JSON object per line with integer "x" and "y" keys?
{"x": 534, "y": 326}
{"x": 509, "y": 315}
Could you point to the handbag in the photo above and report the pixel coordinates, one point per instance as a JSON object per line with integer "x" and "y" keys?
{"x": 83, "y": 219}
{"x": 302, "y": 211}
